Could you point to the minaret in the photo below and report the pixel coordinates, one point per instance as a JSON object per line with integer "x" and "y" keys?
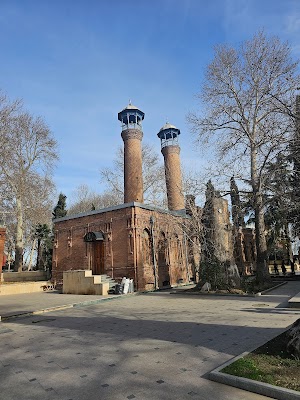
{"x": 170, "y": 149}
{"x": 132, "y": 134}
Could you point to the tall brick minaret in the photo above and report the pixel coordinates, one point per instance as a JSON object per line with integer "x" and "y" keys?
{"x": 171, "y": 151}
{"x": 132, "y": 134}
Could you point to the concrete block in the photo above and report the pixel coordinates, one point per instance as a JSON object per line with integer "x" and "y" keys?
{"x": 25, "y": 287}
{"x": 83, "y": 282}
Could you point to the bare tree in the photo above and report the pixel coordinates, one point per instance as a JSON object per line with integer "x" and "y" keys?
{"x": 85, "y": 199}
{"x": 246, "y": 94}
{"x": 28, "y": 151}
{"x": 153, "y": 177}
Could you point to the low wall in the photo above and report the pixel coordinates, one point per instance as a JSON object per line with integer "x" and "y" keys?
{"x": 24, "y": 276}
{"x": 18, "y": 288}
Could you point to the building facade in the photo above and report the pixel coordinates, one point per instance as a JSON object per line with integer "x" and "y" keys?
{"x": 132, "y": 240}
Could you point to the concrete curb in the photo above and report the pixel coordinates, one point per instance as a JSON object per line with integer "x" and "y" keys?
{"x": 199, "y": 293}
{"x": 294, "y": 302}
{"x": 213, "y": 294}
{"x": 61, "y": 307}
{"x": 274, "y": 287}
{"x": 262, "y": 388}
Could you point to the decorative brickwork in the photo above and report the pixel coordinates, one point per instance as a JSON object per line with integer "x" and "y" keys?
{"x": 133, "y": 174}
{"x": 175, "y": 195}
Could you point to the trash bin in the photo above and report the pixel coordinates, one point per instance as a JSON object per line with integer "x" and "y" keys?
{"x": 118, "y": 289}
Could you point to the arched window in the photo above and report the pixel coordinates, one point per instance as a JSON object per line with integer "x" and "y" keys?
{"x": 162, "y": 246}
{"x": 146, "y": 247}
{"x": 175, "y": 247}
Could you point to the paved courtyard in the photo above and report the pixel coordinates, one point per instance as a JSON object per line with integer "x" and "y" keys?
{"x": 149, "y": 346}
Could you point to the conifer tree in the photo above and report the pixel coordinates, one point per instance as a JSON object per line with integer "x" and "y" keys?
{"x": 60, "y": 209}
{"x": 236, "y": 207}
{"x": 43, "y": 233}
{"x": 295, "y": 179}
{"x": 209, "y": 228}
{"x": 238, "y": 221}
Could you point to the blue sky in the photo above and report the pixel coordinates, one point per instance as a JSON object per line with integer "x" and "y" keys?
{"x": 78, "y": 62}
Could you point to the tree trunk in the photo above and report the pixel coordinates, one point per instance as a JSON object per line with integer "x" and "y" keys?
{"x": 40, "y": 256}
{"x": 31, "y": 254}
{"x": 262, "y": 272}
{"x": 19, "y": 237}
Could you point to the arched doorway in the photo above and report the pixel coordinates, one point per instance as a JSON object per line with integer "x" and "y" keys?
{"x": 97, "y": 251}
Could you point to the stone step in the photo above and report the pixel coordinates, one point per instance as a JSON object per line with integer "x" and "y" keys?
{"x": 106, "y": 278}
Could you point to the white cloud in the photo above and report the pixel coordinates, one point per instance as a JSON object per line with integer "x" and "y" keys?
{"x": 292, "y": 23}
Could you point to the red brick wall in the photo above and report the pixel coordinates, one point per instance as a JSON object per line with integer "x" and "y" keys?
{"x": 124, "y": 254}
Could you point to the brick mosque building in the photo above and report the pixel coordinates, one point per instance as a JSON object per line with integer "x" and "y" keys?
{"x": 142, "y": 242}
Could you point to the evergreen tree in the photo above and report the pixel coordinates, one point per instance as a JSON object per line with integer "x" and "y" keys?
{"x": 44, "y": 245}
{"x": 295, "y": 178}
{"x": 238, "y": 221}
{"x": 60, "y": 209}
{"x": 208, "y": 222}
{"x": 213, "y": 263}
{"x": 236, "y": 207}
{"x": 279, "y": 207}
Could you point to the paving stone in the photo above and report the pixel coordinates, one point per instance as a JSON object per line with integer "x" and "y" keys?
{"x": 142, "y": 352}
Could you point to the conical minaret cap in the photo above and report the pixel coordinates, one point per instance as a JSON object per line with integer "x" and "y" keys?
{"x": 130, "y": 108}
{"x": 168, "y": 131}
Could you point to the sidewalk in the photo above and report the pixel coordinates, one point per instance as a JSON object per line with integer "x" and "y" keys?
{"x": 36, "y": 303}
{"x": 146, "y": 347}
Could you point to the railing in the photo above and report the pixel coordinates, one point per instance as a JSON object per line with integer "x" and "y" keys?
{"x": 133, "y": 125}
{"x": 169, "y": 142}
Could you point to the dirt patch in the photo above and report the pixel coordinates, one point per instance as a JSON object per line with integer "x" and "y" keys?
{"x": 247, "y": 287}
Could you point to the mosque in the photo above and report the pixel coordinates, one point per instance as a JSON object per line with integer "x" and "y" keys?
{"x": 141, "y": 242}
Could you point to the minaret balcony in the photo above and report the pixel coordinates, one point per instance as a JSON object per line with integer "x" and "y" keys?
{"x": 132, "y": 125}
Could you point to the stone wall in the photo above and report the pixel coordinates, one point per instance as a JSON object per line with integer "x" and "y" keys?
{"x": 25, "y": 276}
